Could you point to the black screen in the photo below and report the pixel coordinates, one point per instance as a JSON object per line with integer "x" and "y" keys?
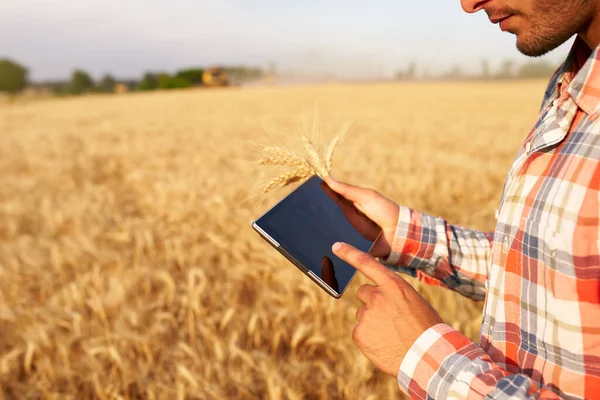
{"x": 308, "y": 222}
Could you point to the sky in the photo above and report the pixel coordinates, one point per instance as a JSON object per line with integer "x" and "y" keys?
{"x": 348, "y": 38}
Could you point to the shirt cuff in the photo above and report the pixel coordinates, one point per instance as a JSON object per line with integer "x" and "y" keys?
{"x": 419, "y": 242}
{"x": 400, "y": 237}
{"x": 425, "y": 367}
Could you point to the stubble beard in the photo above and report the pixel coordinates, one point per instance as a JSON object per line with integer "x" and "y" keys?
{"x": 542, "y": 43}
{"x": 553, "y": 26}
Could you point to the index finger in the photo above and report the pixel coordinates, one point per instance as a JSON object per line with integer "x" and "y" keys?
{"x": 363, "y": 262}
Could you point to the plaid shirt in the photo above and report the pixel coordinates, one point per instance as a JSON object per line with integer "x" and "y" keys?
{"x": 539, "y": 271}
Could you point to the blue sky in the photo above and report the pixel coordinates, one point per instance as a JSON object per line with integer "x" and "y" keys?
{"x": 351, "y": 37}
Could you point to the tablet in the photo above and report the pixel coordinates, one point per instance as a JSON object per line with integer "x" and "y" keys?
{"x": 306, "y": 223}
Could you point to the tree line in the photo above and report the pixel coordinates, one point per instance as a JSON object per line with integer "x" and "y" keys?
{"x": 14, "y": 78}
{"x": 508, "y": 69}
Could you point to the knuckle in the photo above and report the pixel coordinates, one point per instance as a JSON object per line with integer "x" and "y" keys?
{"x": 357, "y": 334}
{"x": 377, "y": 298}
{"x": 363, "y": 259}
{"x": 400, "y": 287}
{"x": 372, "y": 192}
{"x": 360, "y": 312}
{"x": 362, "y": 291}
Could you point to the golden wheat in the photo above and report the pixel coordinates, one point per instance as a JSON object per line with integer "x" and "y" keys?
{"x": 314, "y": 158}
{"x": 283, "y": 157}
{"x": 333, "y": 146}
{"x": 304, "y": 167}
{"x": 289, "y": 178}
{"x": 128, "y": 267}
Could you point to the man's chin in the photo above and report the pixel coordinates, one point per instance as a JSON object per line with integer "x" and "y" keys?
{"x": 530, "y": 49}
{"x": 538, "y": 46}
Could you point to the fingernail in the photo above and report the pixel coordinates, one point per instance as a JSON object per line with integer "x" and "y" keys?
{"x": 336, "y": 246}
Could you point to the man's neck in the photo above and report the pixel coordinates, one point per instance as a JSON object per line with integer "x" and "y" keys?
{"x": 591, "y": 34}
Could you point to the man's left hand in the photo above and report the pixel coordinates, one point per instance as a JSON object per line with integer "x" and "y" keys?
{"x": 393, "y": 316}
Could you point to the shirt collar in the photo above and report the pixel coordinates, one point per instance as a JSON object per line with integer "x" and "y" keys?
{"x": 580, "y": 77}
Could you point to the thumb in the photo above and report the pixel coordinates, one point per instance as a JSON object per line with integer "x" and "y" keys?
{"x": 353, "y": 193}
{"x": 376, "y": 207}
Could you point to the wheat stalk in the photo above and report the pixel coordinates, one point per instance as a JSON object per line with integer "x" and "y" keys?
{"x": 332, "y": 147}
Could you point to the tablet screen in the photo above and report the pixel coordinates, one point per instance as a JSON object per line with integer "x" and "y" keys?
{"x": 309, "y": 221}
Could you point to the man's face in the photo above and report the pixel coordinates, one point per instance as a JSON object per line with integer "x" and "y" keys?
{"x": 540, "y": 25}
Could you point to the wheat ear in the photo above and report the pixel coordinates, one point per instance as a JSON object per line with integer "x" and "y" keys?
{"x": 289, "y": 178}
{"x": 315, "y": 159}
{"x": 282, "y": 157}
{"x": 332, "y": 146}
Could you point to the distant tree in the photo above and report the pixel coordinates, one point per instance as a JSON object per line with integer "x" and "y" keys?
{"x": 539, "y": 69}
{"x": 485, "y": 69}
{"x": 192, "y": 75}
{"x": 13, "y": 77}
{"x": 165, "y": 81}
{"x": 400, "y": 75}
{"x": 60, "y": 90}
{"x": 455, "y": 72}
{"x": 149, "y": 82}
{"x": 506, "y": 70}
{"x": 107, "y": 83}
{"x": 131, "y": 84}
{"x": 81, "y": 82}
{"x": 409, "y": 73}
{"x": 162, "y": 80}
{"x": 176, "y": 82}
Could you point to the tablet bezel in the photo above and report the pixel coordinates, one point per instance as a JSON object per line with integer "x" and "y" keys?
{"x": 290, "y": 257}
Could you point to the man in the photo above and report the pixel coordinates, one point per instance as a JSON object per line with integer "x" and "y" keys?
{"x": 539, "y": 271}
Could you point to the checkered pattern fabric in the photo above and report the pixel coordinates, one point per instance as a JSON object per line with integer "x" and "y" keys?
{"x": 539, "y": 271}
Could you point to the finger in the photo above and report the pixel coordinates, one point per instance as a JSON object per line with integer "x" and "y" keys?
{"x": 359, "y": 313}
{"x": 339, "y": 199}
{"x": 377, "y": 208}
{"x": 350, "y": 192}
{"x": 367, "y": 228}
{"x": 345, "y": 204}
{"x": 365, "y": 292}
{"x": 363, "y": 262}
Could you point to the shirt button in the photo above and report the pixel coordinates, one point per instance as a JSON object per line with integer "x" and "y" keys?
{"x": 528, "y": 147}
{"x": 505, "y": 245}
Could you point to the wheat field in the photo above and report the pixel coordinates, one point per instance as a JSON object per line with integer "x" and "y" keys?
{"x": 128, "y": 266}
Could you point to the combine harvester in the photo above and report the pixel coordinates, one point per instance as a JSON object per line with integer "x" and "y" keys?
{"x": 215, "y": 77}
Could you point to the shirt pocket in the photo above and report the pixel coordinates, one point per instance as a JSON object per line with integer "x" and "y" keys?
{"x": 551, "y": 258}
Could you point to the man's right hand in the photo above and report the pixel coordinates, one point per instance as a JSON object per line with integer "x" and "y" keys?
{"x": 379, "y": 209}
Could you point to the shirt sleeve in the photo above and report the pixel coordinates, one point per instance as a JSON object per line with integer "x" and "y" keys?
{"x": 439, "y": 253}
{"x": 443, "y": 363}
